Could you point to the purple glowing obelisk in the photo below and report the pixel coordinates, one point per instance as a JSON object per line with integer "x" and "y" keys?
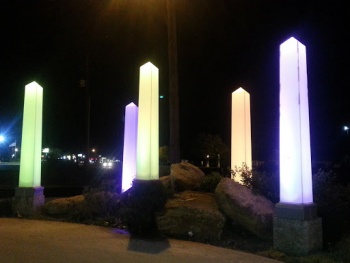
{"x": 296, "y": 227}
{"x": 130, "y": 146}
{"x": 295, "y": 154}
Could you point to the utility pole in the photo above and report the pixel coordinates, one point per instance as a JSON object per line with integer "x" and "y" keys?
{"x": 174, "y": 149}
{"x": 84, "y": 83}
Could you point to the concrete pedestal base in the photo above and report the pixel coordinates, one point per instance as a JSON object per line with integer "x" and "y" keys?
{"x": 296, "y": 229}
{"x": 28, "y": 201}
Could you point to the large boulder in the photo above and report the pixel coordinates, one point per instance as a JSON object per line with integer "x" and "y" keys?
{"x": 185, "y": 176}
{"x": 240, "y": 204}
{"x": 166, "y": 181}
{"x": 192, "y": 215}
{"x": 64, "y": 206}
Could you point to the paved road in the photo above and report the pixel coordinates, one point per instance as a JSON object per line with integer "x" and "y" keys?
{"x": 23, "y": 240}
{"x": 9, "y": 163}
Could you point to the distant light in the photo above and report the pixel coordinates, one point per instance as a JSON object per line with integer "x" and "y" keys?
{"x": 46, "y": 150}
{"x": 2, "y": 138}
{"x": 346, "y": 128}
{"x": 107, "y": 164}
{"x": 161, "y": 97}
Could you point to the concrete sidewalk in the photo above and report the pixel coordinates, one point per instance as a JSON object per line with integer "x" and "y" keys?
{"x": 23, "y": 240}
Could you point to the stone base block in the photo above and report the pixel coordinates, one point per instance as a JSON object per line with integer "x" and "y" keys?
{"x": 296, "y": 211}
{"x": 28, "y": 201}
{"x": 297, "y": 230}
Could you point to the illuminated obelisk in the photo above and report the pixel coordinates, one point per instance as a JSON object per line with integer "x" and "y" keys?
{"x": 29, "y": 195}
{"x": 130, "y": 140}
{"x": 146, "y": 187}
{"x": 148, "y": 124}
{"x": 241, "y": 142}
{"x": 297, "y": 229}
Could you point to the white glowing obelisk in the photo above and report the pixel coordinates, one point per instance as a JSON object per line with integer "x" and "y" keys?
{"x": 241, "y": 142}
{"x": 295, "y": 154}
{"x": 148, "y": 124}
{"x": 130, "y": 146}
{"x": 30, "y": 164}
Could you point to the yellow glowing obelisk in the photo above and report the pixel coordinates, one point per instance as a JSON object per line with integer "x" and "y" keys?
{"x": 147, "y": 162}
{"x": 29, "y": 195}
{"x": 241, "y": 142}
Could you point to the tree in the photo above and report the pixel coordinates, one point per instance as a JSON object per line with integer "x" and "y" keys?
{"x": 164, "y": 155}
{"x": 212, "y": 145}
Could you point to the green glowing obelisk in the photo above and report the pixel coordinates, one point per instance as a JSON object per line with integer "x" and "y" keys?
{"x": 29, "y": 195}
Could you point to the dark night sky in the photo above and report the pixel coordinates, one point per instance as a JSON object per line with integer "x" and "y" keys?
{"x": 222, "y": 45}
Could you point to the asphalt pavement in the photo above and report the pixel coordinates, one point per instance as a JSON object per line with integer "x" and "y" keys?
{"x": 29, "y": 241}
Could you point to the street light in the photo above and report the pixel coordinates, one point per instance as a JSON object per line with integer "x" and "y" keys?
{"x": 346, "y": 128}
{"x": 2, "y": 138}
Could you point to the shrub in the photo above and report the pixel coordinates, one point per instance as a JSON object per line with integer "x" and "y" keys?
{"x": 330, "y": 193}
{"x": 101, "y": 204}
{"x": 210, "y": 182}
{"x": 260, "y": 181}
{"x": 333, "y": 201}
{"x": 6, "y": 207}
{"x": 266, "y": 184}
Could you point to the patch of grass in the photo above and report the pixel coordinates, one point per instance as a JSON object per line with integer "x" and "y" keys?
{"x": 335, "y": 256}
